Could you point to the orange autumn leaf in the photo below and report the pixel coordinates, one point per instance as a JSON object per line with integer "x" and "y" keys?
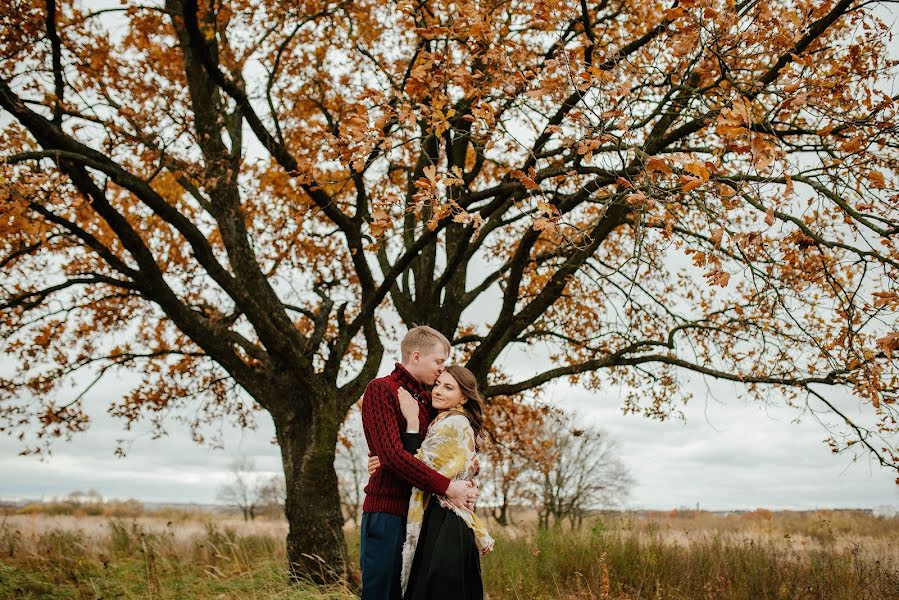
{"x": 691, "y": 183}
{"x": 698, "y": 169}
{"x": 525, "y": 180}
{"x": 657, "y": 165}
{"x": 717, "y": 236}
{"x": 718, "y": 277}
{"x": 889, "y": 343}
{"x": 885, "y": 299}
{"x": 877, "y": 179}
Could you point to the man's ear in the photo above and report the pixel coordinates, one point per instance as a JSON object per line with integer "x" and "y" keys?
{"x": 416, "y": 356}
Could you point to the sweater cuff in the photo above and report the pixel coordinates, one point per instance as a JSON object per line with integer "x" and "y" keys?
{"x": 444, "y": 484}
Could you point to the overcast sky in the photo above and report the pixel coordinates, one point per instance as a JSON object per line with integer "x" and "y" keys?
{"x": 727, "y": 455}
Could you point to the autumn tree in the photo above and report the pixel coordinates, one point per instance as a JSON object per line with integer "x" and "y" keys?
{"x": 251, "y": 491}
{"x": 236, "y": 200}
{"x": 272, "y": 495}
{"x": 513, "y": 446}
{"x": 580, "y": 471}
{"x": 243, "y": 490}
{"x": 547, "y": 459}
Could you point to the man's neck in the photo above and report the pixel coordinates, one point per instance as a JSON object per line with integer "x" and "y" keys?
{"x": 412, "y": 373}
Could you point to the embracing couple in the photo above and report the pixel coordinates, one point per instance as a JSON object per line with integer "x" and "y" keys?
{"x": 420, "y": 538}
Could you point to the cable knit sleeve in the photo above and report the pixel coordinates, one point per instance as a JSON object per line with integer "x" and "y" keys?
{"x": 380, "y": 420}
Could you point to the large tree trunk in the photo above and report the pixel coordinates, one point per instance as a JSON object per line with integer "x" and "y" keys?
{"x": 316, "y": 547}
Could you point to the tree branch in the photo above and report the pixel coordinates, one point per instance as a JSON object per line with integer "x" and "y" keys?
{"x": 56, "y": 48}
{"x": 278, "y": 150}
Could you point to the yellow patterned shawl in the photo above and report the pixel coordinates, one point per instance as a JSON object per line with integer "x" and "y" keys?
{"x": 449, "y": 449}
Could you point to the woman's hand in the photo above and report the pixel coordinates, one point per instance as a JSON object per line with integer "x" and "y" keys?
{"x": 409, "y": 408}
{"x": 374, "y": 463}
{"x": 463, "y": 494}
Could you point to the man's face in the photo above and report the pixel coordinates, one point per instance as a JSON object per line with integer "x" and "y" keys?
{"x": 427, "y": 366}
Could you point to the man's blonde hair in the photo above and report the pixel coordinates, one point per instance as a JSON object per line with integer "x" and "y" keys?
{"x": 422, "y": 339}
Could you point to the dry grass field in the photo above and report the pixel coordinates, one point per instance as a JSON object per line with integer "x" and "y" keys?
{"x": 839, "y": 555}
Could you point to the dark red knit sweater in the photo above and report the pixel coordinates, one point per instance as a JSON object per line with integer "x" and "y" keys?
{"x": 389, "y": 487}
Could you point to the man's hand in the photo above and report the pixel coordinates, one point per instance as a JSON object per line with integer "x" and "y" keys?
{"x": 463, "y": 494}
{"x": 373, "y": 465}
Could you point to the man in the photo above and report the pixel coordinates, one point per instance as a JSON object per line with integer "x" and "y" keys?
{"x": 424, "y": 352}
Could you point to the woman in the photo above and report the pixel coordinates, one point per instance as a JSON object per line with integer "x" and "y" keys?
{"x": 441, "y": 554}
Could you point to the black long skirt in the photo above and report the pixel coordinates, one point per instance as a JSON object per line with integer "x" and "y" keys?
{"x": 447, "y": 564}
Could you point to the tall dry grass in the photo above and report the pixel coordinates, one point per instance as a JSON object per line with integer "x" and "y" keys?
{"x": 704, "y": 556}
{"x": 88, "y": 557}
{"x": 828, "y": 555}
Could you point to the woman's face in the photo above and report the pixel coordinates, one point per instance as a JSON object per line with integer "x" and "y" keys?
{"x": 446, "y": 393}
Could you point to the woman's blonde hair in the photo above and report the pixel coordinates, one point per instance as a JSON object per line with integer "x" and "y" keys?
{"x": 422, "y": 339}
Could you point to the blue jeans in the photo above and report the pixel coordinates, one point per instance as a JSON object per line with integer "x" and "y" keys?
{"x": 381, "y": 555}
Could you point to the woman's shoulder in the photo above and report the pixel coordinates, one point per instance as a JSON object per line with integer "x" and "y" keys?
{"x": 452, "y": 420}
